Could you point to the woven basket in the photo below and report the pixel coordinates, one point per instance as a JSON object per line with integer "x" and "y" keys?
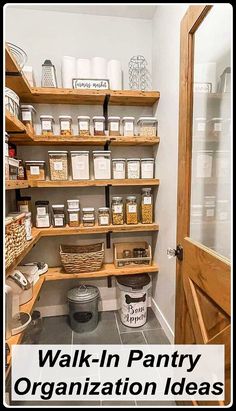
{"x": 80, "y": 259}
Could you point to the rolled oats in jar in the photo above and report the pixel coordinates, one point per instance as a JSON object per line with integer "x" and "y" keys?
{"x": 58, "y": 164}
{"x": 65, "y": 125}
{"x": 117, "y": 209}
{"x": 84, "y": 125}
{"x": 131, "y": 210}
{"x": 147, "y": 126}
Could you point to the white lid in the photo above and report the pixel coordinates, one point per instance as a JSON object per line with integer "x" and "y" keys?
{"x": 70, "y": 201}
{"x": 119, "y": 159}
{"x": 104, "y": 209}
{"x": 72, "y": 210}
{"x": 128, "y": 118}
{"x": 86, "y": 209}
{"x": 99, "y": 152}
{"x": 147, "y": 159}
{"x": 27, "y": 106}
{"x": 83, "y": 118}
{"x": 80, "y": 152}
{"x": 57, "y": 152}
{"x": 99, "y": 118}
{"x": 34, "y": 162}
{"x": 152, "y": 119}
{"x": 58, "y": 206}
{"x": 113, "y": 118}
{"x": 133, "y": 159}
{"x": 66, "y": 117}
{"x": 46, "y": 116}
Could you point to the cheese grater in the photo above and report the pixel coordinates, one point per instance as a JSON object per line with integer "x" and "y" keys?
{"x": 48, "y": 74}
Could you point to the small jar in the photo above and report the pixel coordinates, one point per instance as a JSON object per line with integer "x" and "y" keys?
{"x": 28, "y": 116}
{"x": 35, "y": 170}
{"x": 80, "y": 165}
{"x": 42, "y": 207}
{"x": 117, "y": 209}
{"x": 147, "y": 126}
{"x": 73, "y": 217}
{"x": 114, "y": 126}
{"x": 72, "y": 204}
{"x": 133, "y": 168}
{"x": 24, "y": 204}
{"x": 131, "y": 210}
{"x": 128, "y": 126}
{"x": 65, "y": 125}
{"x": 103, "y": 216}
{"x": 99, "y": 125}
{"x": 216, "y": 127}
{"x": 28, "y": 226}
{"x": 200, "y": 127}
{"x": 13, "y": 168}
{"x": 59, "y": 217}
{"x": 88, "y": 212}
{"x": 147, "y": 167}
{"x": 43, "y": 221}
{"x": 47, "y": 125}
{"x": 21, "y": 171}
{"x": 196, "y": 213}
{"x": 146, "y": 206}
{"x": 102, "y": 165}
{"x": 58, "y": 164}
{"x": 83, "y": 125}
{"x": 88, "y": 221}
{"x": 118, "y": 168}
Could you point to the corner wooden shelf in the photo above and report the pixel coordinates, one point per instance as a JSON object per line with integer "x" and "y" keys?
{"x": 94, "y": 183}
{"x": 16, "y": 184}
{"x": 16, "y": 129}
{"x": 15, "y": 79}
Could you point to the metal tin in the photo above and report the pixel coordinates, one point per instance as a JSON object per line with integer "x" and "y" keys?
{"x": 83, "y": 294}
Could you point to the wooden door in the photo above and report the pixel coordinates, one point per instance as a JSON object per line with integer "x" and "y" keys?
{"x": 203, "y": 275}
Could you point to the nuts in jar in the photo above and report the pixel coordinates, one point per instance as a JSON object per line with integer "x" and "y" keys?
{"x": 117, "y": 208}
{"x": 84, "y": 125}
{"x": 35, "y": 170}
{"x": 46, "y": 125}
{"x": 146, "y": 206}
{"x": 65, "y": 125}
{"x": 131, "y": 210}
{"x": 58, "y": 165}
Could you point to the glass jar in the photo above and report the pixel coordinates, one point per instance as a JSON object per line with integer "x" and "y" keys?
{"x": 73, "y": 217}
{"x": 13, "y": 168}
{"x": 35, "y": 170}
{"x": 133, "y": 168}
{"x": 103, "y": 216}
{"x": 146, "y": 206}
{"x": 99, "y": 125}
{"x": 28, "y": 116}
{"x": 59, "y": 217}
{"x": 88, "y": 212}
{"x": 28, "y": 226}
{"x": 65, "y": 125}
{"x": 117, "y": 209}
{"x": 80, "y": 165}
{"x": 131, "y": 210}
{"x": 42, "y": 207}
{"x": 147, "y": 126}
{"x": 114, "y": 126}
{"x": 72, "y": 204}
{"x": 102, "y": 165}
{"x": 83, "y": 125}
{"x": 47, "y": 125}
{"x": 88, "y": 221}
{"x": 128, "y": 126}
{"x": 24, "y": 204}
{"x": 58, "y": 164}
{"x": 21, "y": 171}
{"x": 118, "y": 168}
{"x": 147, "y": 167}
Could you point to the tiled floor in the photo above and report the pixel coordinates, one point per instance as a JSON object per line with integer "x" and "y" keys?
{"x": 110, "y": 330}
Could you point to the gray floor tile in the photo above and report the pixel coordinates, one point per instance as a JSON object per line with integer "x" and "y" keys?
{"x": 56, "y": 330}
{"x": 157, "y": 403}
{"x": 156, "y": 337}
{"x": 105, "y": 333}
{"x": 117, "y": 403}
{"x": 152, "y": 323}
{"x": 133, "y": 338}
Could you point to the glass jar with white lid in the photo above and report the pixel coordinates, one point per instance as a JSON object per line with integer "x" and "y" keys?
{"x": 147, "y": 126}
{"x": 133, "y": 168}
{"x": 47, "y": 123}
{"x": 114, "y": 126}
{"x": 128, "y": 126}
{"x": 102, "y": 165}
{"x": 99, "y": 125}
{"x": 73, "y": 217}
{"x": 83, "y": 125}
{"x": 80, "y": 165}
{"x": 118, "y": 168}
{"x": 65, "y": 125}
{"x": 147, "y": 167}
{"x": 103, "y": 216}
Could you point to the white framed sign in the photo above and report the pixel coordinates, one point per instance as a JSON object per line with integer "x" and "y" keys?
{"x": 93, "y": 84}
{"x": 202, "y": 87}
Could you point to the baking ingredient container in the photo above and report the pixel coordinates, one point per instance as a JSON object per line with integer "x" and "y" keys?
{"x": 118, "y": 168}
{"x": 146, "y": 206}
{"x": 59, "y": 217}
{"x": 102, "y": 165}
{"x": 99, "y": 125}
{"x": 114, "y": 126}
{"x": 65, "y": 125}
{"x": 58, "y": 164}
{"x": 84, "y": 125}
{"x": 133, "y": 168}
{"x": 80, "y": 165}
{"x": 73, "y": 217}
{"x": 42, "y": 214}
{"x": 147, "y": 126}
{"x": 131, "y": 210}
{"x": 28, "y": 116}
{"x": 35, "y": 170}
{"x": 103, "y": 216}
{"x": 117, "y": 210}
{"x": 128, "y": 126}
{"x": 147, "y": 167}
{"x": 47, "y": 123}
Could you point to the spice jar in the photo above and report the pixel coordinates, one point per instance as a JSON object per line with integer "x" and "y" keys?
{"x": 118, "y": 168}
{"x": 131, "y": 210}
{"x": 28, "y": 226}
{"x": 114, "y": 126}
{"x": 65, "y": 125}
{"x": 117, "y": 209}
{"x": 133, "y": 167}
{"x": 80, "y": 165}
{"x": 35, "y": 170}
{"x": 147, "y": 126}
{"x": 58, "y": 164}
{"x": 47, "y": 125}
{"x": 24, "y": 204}
{"x": 147, "y": 167}
{"x": 88, "y": 216}
{"x": 83, "y": 125}
{"x": 128, "y": 126}
{"x": 146, "y": 206}
{"x": 21, "y": 171}
{"x": 103, "y": 216}
{"x": 27, "y": 116}
{"x": 73, "y": 217}
{"x": 102, "y": 165}
{"x": 99, "y": 125}
{"x": 59, "y": 218}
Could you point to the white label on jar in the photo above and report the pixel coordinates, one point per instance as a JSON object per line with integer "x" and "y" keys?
{"x": 65, "y": 125}
{"x": 210, "y": 212}
{"x": 147, "y": 200}
{"x": 102, "y": 165}
{"x": 201, "y": 126}
{"x": 41, "y": 210}
{"x": 34, "y": 170}
{"x": 104, "y": 220}
{"x": 217, "y": 126}
{"x": 147, "y": 166}
{"x": 26, "y": 115}
{"x": 114, "y": 126}
{"x": 83, "y": 125}
{"x": 74, "y": 216}
{"x": 58, "y": 165}
{"x": 80, "y": 165}
{"x": 223, "y": 215}
{"x": 119, "y": 167}
{"x": 46, "y": 125}
{"x": 133, "y": 166}
{"x": 129, "y": 126}
{"x": 99, "y": 125}
{"x": 58, "y": 221}
{"x": 132, "y": 208}
{"x": 24, "y": 208}
{"x": 204, "y": 165}
{"x": 43, "y": 222}
{"x": 117, "y": 209}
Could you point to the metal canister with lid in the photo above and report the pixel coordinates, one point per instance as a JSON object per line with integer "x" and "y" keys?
{"x": 83, "y": 308}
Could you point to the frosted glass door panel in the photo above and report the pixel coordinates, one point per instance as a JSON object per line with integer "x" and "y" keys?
{"x": 210, "y": 217}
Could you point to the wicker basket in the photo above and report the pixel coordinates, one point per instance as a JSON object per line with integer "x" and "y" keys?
{"x": 80, "y": 259}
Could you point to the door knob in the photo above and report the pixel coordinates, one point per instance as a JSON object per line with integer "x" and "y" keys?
{"x": 178, "y": 252}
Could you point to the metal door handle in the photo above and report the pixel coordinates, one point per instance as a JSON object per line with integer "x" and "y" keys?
{"x": 178, "y": 252}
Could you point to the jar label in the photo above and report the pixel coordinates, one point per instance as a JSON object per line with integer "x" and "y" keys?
{"x": 46, "y": 125}
{"x": 83, "y": 125}
{"x": 129, "y": 125}
{"x": 43, "y": 222}
{"x": 217, "y": 126}
{"x": 133, "y": 166}
{"x": 132, "y": 208}
{"x": 99, "y": 125}
{"x": 26, "y": 115}
{"x": 41, "y": 210}
{"x": 201, "y": 126}
{"x": 104, "y": 220}
{"x": 74, "y": 216}
{"x": 102, "y": 165}
{"x": 65, "y": 125}
{"x": 210, "y": 212}
{"x": 119, "y": 167}
{"x": 58, "y": 221}
{"x": 117, "y": 209}
{"x": 147, "y": 166}
{"x": 58, "y": 166}
{"x": 114, "y": 126}
{"x": 34, "y": 170}
{"x": 80, "y": 165}
{"x": 147, "y": 200}
{"x": 24, "y": 208}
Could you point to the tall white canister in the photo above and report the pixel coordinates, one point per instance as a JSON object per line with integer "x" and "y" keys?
{"x": 68, "y": 71}
{"x": 83, "y": 68}
{"x": 98, "y": 68}
{"x": 114, "y": 74}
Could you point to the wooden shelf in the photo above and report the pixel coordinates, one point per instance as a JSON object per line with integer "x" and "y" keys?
{"x": 16, "y": 184}
{"x": 13, "y": 123}
{"x": 15, "y": 79}
{"x": 133, "y": 97}
{"x": 94, "y": 183}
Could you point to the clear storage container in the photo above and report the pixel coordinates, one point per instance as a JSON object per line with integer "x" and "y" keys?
{"x": 128, "y": 126}
{"x": 65, "y": 125}
{"x": 84, "y": 125}
{"x": 80, "y": 165}
{"x": 73, "y": 217}
{"x": 47, "y": 123}
{"x": 103, "y": 216}
{"x": 88, "y": 212}
{"x": 133, "y": 168}
{"x": 99, "y": 125}
{"x": 118, "y": 168}
{"x": 117, "y": 210}
{"x": 24, "y": 204}
{"x": 114, "y": 126}
{"x": 102, "y": 165}
{"x": 147, "y": 126}
{"x": 58, "y": 164}
{"x": 216, "y": 126}
{"x": 88, "y": 221}
{"x": 59, "y": 217}
{"x": 73, "y": 204}
{"x": 146, "y": 206}
{"x": 131, "y": 210}
{"x": 28, "y": 116}
{"x": 42, "y": 214}
{"x": 35, "y": 170}
{"x": 147, "y": 167}
{"x": 13, "y": 168}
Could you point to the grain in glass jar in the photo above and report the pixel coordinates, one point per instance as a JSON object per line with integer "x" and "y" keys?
{"x": 83, "y": 125}
{"x": 102, "y": 165}
{"x": 47, "y": 125}
{"x": 131, "y": 210}
{"x": 118, "y": 168}
{"x": 146, "y": 206}
{"x": 99, "y": 125}
{"x": 117, "y": 210}
{"x": 88, "y": 216}
{"x": 59, "y": 217}
{"x": 80, "y": 165}
{"x": 133, "y": 168}
{"x": 58, "y": 165}
{"x": 114, "y": 126}
{"x": 147, "y": 167}
{"x": 28, "y": 116}
{"x": 24, "y": 204}
{"x": 128, "y": 126}
{"x": 73, "y": 217}
{"x": 65, "y": 125}
{"x": 103, "y": 216}
{"x": 35, "y": 170}
{"x": 147, "y": 126}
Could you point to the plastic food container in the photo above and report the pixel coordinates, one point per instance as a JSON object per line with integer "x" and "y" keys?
{"x": 133, "y": 167}
{"x": 102, "y": 165}
{"x": 84, "y": 125}
{"x": 65, "y": 125}
{"x": 42, "y": 214}
{"x": 46, "y": 125}
{"x": 128, "y": 126}
{"x": 73, "y": 217}
{"x": 99, "y": 125}
{"x": 24, "y": 204}
{"x": 131, "y": 210}
{"x": 58, "y": 164}
{"x": 118, "y": 168}
{"x": 147, "y": 167}
{"x": 114, "y": 126}
{"x": 59, "y": 217}
{"x": 103, "y": 216}
{"x": 80, "y": 165}
{"x": 12, "y": 102}
{"x": 117, "y": 210}
{"x": 35, "y": 170}
{"x": 73, "y": 204}
{"x": 146, "y": 206}
{"x": 147, "y": 126}
{"x": 13, "y": 168}
{"x": 28, "y": 116}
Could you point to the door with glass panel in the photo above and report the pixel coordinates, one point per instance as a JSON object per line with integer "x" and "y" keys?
{"x": 204, "y": 181}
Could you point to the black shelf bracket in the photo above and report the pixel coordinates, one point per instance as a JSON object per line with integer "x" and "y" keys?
{"x": 108, "y": 239}
{"x": 13, "y": 74}
{"x": 109, "y": 281}
{"x": 105, "y": 110}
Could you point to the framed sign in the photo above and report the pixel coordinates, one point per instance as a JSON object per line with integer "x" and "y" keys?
{"x": 87, "y": 84}
{"x": 202, "y": 87}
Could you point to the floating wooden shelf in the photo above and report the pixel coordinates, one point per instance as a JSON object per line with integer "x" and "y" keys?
{"x": 94, "y": 183}
{"x": 15, "y": 184}
{"x": 133, "y": 97}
